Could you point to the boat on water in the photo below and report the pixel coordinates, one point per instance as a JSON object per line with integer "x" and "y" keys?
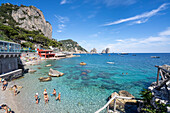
{"x": 123, "y": 53}
{"x": 155, "y": 57}
{"x": 110, "y": 62}
{"x": 82, "y": 63}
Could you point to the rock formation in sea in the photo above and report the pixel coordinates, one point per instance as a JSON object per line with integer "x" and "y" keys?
{"x": 107, "y": 50}
{"x": 103, "y": 51}
{"x": 27, "y": 17}
{"x": 93, "y": 50}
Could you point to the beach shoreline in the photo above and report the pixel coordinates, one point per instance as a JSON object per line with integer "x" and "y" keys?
{"x": 7, "y": 97}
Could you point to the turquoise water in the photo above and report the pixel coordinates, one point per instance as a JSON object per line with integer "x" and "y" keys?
{"x": 84, "y": 89}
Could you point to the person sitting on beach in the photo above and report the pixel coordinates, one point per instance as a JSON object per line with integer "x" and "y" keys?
{"x": 36, "y": 98}
{"x": 5, "y": 84}
{"x": 54, "y": 92}
{"x": 15, "y": 90}
{"x": 6, "y": 108}
{"x": 59, "y": 97}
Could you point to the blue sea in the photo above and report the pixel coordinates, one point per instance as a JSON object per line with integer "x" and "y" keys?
{"x": 85, "y": 89}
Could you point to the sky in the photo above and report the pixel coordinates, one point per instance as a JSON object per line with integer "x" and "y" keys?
{"x": 133, "y": 26}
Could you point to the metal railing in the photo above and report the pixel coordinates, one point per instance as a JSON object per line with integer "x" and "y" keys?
{"x": 6, "y": 46}
{"x": 113, "y": 98}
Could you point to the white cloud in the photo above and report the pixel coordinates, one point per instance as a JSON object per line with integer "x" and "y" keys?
{"x": 142, "y": 18}
{"x": 165, "y": 33}
{"x": 63, "y": 2}
{"x": 150, "y": 44}
{"x": 59, "y": 31}
{"x": 62, "y": 19}
{"x": 95, "y": 35}
{"x": 61, "y": 22}
{"x": 118, "y": 2}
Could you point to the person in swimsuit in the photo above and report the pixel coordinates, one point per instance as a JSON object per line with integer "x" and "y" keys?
{"x": 6, "y": 108}
{"x": 5, "y": 84}
{"x": 59, "y": 97}
{"x": 54, "y": 92}
{"x": 15, "y": 90}
{"x": 36, "y": 98}
{"x": 45, "y": 96}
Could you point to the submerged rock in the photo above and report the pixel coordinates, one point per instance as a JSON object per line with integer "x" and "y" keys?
{"x": 76, "y": 78}
{"x": 31, "y": 71}
{"x": 55, "y": 73}
{"x": 45, "y": 79}
{"x": 39, "y": 67}
{"x": 85, "y": 78}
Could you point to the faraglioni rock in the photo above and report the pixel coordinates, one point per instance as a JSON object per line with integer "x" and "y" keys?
{"x": 103, "y": 51}
{"x": 107, "y": 50}
{"x": 93, "y": 50}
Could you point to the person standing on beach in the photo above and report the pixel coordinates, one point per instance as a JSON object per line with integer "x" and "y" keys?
{"x": 59, "y": 97}
{"x": 36, "y": 98}
{"x": 5, "y": 84}
{"x": 45, "y": 96}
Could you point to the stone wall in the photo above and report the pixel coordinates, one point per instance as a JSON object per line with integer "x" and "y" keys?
{"x": 8, "y": 64}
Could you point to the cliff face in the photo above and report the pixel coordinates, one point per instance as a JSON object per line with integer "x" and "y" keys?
{"x": 31, "y": 18}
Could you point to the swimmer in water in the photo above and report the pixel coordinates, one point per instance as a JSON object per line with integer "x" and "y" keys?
{"x": 54, "y": 92}
{"x": 59, "y": 97}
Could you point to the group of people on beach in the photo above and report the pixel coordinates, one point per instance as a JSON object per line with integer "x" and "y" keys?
{"x": 46, "y": 98}
{"x": 5, "y": 84}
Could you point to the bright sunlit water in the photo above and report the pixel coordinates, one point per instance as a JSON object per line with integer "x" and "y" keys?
{"x": 84, "y": 89}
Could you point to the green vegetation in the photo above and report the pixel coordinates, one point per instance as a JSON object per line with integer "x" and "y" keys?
{"x": 5, "y": 14}
{"x": 148, "y": 107}
{"x": 17, "y": 34}
{"x": 11, "y": 32}
{"x": 70, "y": 45}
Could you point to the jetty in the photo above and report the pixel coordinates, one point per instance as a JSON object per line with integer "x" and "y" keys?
{"x": 10, "y": 64}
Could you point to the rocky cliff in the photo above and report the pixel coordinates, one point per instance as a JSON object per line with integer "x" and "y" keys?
{"x": 30, "y": 18}
{"x": 71, "y": 46}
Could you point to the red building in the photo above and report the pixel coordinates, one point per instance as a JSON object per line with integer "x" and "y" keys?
{"x": 45, "y": 53}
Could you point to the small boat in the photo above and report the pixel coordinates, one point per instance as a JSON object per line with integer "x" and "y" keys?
{"x": 155, "y": 57}
{"x": 110, "y": 62}
{"x": 55, "y": 73}
{"x": 123, "y": 53}
{"x": 133, "y": 55}
{"x": 45, "y": 79}
{"x": 48, "y": 65}
{"x": 82, "y": 63}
